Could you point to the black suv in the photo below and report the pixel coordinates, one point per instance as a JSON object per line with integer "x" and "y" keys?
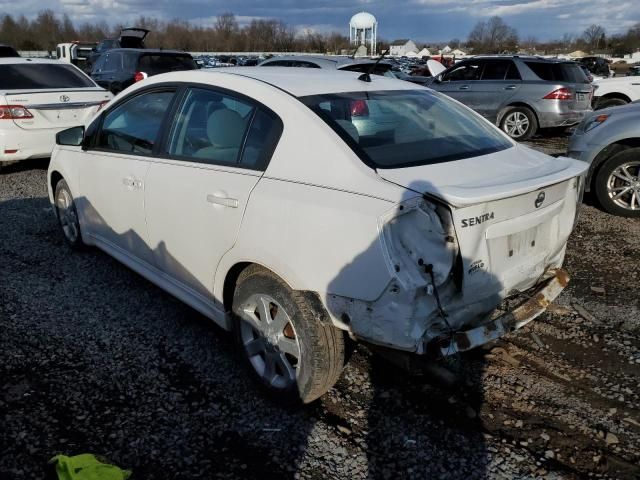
{"x": 132, "y": 37}
{"x": 596, "y": 65}
{"x": 8, "y": 51}
{"x": 119, "y": 68}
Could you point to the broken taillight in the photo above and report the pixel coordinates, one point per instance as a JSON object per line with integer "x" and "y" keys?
{"x": 14, "y": 112}
{"x": 559, "y": 94}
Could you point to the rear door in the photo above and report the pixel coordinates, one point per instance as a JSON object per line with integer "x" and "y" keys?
{"x": 500, "y": 81}
{"x": 113, "y": 173}
{"x": 56, "y": 95}
{"x": 196, "y": 195}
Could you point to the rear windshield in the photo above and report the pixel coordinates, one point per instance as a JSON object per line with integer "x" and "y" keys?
{"x": 155, "y": 64}
{"x": 42, "y": 75}
{"x": 406, "y": 128}
{"x": 558, "y": 72}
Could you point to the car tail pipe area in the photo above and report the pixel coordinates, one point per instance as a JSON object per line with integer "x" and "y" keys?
{"x": 461, "y": 341}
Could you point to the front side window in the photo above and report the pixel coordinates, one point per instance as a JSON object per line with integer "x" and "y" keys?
{"x": 210, "y": 127}
{"x": 133, "y": 127}
{"x": 42, "y": 75}
{"x": 405, "y": 128}
{"x": 465, "y": 72}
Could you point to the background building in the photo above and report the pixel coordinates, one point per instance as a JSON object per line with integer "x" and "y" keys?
{"x": 401, "y": 48}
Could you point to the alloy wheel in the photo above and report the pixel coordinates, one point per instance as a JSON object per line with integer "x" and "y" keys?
{"x": 516, "y": 124}
{"x": 67, "y": 215}
{"x": 269, "y": 340}
{"x": 623, "y": 185}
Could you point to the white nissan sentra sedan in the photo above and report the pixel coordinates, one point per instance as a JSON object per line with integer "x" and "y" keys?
{"x": 38, "y": 98}
{"x": 301, "y": 209}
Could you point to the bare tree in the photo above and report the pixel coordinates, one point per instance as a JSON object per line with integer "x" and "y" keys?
{"x": 493, "y": 36}
{"x": 593, "y": 35}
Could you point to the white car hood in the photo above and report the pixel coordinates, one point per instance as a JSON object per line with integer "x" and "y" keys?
{"x": 508, "y": 173}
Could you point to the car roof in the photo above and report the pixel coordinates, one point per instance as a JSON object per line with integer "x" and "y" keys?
{"x": 326, "y": 61}
{"x": 298, "y": 82}
{"x": 154, "y": 51}
{"x": 528, "y": 58}
{"x": 20, "y": 60}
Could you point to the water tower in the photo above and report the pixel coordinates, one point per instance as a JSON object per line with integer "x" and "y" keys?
{"x": 363, "y": 30}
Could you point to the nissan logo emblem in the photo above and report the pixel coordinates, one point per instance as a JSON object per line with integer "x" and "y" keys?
{"x": 540, "y": 200}
{"x": 64, "y": 98}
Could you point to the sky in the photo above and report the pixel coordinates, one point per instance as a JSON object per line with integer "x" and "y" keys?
{"x": 420, "y": 20}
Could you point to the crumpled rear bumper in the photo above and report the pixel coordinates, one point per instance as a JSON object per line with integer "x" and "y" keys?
{"x": 468, "y": 339}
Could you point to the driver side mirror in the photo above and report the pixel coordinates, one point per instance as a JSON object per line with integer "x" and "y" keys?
{"x": 71, "y": 137}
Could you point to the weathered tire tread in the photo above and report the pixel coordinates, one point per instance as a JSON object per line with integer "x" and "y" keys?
{"x": 327, "y": 342}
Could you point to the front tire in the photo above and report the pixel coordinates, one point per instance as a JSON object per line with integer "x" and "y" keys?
{"x": 617, "y": 184}
{"x": 288, "y": 344}
{"x": 520, "y": 123}
{"x": 67, "y": 215}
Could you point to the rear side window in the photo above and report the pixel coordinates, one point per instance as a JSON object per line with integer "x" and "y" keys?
{"x": 42, "y": 75}
{"x": 263, "y": 137}
{"x": 277, "y": 63}
{"x": 211, "y": 127}
{"x": 217, "y": 128}
{"x": 156, "y": 64}
{"x": 500, "y": 70}
{"x": 558, "y": 72}
{"x": 133, "y": 126}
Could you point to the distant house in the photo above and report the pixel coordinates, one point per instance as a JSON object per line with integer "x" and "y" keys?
{"x": 400, "y": 48}
{"x": 458, "y": 53}
{"x": 446, "y": 50}
{"x": 424, "y": 53}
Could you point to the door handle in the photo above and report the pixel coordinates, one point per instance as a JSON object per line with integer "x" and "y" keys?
{"x": 131, "y": 182}
{"x": 224, "y": 201}
{"x": 510, "y": 87}
{"x": 464, "y": 87}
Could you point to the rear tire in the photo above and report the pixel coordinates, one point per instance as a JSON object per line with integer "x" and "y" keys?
{"x": 617, "y": 184}
{"x": 609, "y": 102}
{"x": 67, "y": 215}
{"x": 286, "y": 340}
{"x": 520, "y": 123}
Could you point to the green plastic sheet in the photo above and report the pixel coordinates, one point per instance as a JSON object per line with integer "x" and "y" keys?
{"x": 87, "y": 467}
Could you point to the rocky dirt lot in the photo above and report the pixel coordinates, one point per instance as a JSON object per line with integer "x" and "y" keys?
{"x": 93, "y": 358}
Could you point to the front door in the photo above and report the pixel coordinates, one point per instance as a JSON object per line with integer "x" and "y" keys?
{"x": 114, "y": 172}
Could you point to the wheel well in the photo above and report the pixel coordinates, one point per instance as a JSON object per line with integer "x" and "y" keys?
{"x": 619, "y": 95}
{"x": 517, "y": 104}
{"x": 230, "y": 283}
{"x": 608, "y": 152}
{"x": 55, "y": 178}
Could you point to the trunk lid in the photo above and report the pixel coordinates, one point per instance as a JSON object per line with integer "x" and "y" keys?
{"x": 57, "y": 108}
{"x": 512, "y": 214}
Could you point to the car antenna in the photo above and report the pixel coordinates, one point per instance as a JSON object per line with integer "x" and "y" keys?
{"x": 366, "y": 77}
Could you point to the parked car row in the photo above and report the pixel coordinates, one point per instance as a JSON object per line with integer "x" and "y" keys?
{"x": 301, "y": 183}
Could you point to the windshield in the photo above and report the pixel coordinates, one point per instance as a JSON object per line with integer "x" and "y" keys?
{"x": 406, "y": 128}
{"x": 42, "y": 75}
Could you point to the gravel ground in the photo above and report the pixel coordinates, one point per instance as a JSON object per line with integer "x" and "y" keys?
{"x": 96, "y": 359}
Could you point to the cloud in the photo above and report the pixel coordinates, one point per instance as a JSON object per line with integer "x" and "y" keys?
{"x": 422, "y": 20}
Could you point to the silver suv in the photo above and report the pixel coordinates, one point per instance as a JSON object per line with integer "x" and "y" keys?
{"x": 519, "y": 94}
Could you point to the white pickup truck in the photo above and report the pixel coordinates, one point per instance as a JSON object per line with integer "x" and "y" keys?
{"x": 616, "y": 91}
